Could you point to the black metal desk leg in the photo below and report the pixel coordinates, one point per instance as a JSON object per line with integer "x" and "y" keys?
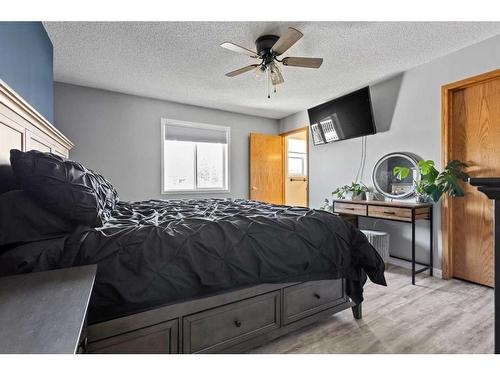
{"x": 413, "y": 246}
{"x": 431, "y": 229}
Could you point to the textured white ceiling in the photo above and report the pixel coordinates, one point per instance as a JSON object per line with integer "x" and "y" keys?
{"x": 182, "y": 61}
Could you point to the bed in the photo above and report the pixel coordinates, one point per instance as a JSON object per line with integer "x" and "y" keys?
{"x": 176, "y": 276}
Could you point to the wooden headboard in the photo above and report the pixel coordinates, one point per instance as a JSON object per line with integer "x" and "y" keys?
{"x": 23, "y": 128}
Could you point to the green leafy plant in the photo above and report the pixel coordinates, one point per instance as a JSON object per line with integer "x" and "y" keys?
{"x": 433, "y": 183}
{"x": 326, "y": 205}
{"x": 354, "y": 188}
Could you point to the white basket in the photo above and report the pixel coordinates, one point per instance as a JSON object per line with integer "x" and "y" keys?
{"x": 380, "y": 241}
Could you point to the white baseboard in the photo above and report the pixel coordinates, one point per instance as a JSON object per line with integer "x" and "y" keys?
{"x": 403, "y": 263}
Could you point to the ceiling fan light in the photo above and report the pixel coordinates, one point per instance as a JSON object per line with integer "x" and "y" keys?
{"x": 276, "y": 76}
{"x": 260, "y": 73}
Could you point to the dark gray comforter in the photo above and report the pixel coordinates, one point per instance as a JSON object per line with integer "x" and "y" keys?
{"x": 157, "y": 252}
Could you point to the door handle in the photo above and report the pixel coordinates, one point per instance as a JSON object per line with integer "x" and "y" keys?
{"x": 254, "y": 187}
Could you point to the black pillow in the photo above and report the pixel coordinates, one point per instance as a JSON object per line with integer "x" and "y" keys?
{"x": 64, "y": 187}
{"x": 23, "y": 220}
{"x": 8, "y": 181}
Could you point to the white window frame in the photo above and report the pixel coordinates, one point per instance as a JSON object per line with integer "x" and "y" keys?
{"x": 164, "y": 124}
{"x": 303, "y": 161}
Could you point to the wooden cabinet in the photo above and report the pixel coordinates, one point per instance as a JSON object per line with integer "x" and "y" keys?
{"x": 309, "y": 298}
{"x": 216, "y": 329}
{"x": 157, "y": 339}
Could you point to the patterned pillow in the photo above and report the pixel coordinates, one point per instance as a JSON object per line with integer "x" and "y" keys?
{"x": 65, "y": 187}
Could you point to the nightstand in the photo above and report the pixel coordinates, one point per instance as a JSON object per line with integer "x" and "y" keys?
{"x": 45, "y": 312}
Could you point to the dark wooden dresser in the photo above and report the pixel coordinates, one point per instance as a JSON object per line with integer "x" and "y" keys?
{"x": 406, "y": 212}
{"x": 44, "y": 312}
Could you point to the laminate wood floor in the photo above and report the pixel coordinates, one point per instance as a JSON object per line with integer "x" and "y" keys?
{"x": 434, "y": 316}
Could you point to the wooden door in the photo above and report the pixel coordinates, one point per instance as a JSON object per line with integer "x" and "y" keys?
{"x": 266, "y": 168}
{"x": 473, "y": 135}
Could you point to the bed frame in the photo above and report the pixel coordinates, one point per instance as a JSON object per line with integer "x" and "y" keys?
{"x": 234, "y": 321}
{"x": 230, "y": 322}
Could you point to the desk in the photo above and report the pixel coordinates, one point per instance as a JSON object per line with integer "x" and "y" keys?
{"x": 406, "y": 212}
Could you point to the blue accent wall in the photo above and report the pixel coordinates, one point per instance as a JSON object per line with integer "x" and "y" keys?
{"x": 26, "y": 64}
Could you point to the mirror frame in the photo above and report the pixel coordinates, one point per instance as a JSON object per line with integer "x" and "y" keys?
{"x": 413, "y": 159}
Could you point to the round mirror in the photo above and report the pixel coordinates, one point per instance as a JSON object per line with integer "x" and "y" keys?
{"x": 389, "y": 185}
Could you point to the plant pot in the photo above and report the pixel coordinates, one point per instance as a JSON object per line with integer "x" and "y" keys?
{"x": 358, "y": 197}
{"x": 422, "y": 198}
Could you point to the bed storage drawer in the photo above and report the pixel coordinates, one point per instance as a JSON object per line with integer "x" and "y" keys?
{"x": 217, "y": 329}
{"x": 157, "y": 339}
{"x": 309, "y": 298}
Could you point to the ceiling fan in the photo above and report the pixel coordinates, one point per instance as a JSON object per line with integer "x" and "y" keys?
{"x": 269, "y": 47}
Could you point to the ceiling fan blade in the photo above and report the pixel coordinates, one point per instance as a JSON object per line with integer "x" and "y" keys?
{"x": 239, "y": 49}
{"x": 303, "y": 62}
{"x": 286, "y": 41}
{"x": 242, "y": 70}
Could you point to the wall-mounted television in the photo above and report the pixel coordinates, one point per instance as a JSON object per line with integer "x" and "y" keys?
{"x": 349, "y": 116}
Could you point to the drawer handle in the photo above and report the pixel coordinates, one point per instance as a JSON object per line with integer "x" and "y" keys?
{"x": 237, "y": 323}
{"x": 349, "y": 208}
{"x": 389, "y": 212}
{"x": 316, "y": 295}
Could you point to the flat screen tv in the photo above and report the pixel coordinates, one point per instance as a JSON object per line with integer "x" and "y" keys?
{"x": 349, "y": 116}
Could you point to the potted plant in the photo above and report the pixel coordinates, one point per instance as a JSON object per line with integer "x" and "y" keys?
{"x": 326, "y": 206}
{"x": 354, "y": 191}
{"x": 432, "y": 183}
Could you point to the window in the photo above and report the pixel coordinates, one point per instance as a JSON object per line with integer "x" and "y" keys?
{"x": 297, "y": 154}
{"x": 195, "y": 157}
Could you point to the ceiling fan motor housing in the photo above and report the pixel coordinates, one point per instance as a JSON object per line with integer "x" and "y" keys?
{"x": 264, "y": 45}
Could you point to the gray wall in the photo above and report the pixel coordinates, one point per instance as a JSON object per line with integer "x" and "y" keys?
{"x": 407, "y": 110}
{"x": 26, "y": 63}
{"x": 118, "y": 135}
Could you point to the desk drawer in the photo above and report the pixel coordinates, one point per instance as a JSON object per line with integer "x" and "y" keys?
{"x": 350, "y": 208}
{"x": 394, "y": 213}
{"x": 217, "y": 329}
{"x": 311, "y": 297}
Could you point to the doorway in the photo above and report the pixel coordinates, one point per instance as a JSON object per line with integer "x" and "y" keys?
{"x": 471, "y": 133}
{"x": 279, "y": 167}
{"x": 296, "y": 168}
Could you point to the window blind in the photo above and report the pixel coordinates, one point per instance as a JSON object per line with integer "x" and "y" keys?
{"x": 186, "y": 133}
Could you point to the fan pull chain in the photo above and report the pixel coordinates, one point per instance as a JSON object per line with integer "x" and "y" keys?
{"x": 268, "y": 83}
